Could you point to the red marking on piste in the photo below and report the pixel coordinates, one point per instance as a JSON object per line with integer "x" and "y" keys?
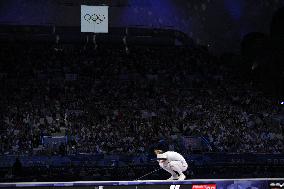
{"x": 204, "y": 186}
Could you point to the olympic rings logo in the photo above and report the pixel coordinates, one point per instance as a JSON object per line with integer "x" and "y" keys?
{"x": 95, "y": 18}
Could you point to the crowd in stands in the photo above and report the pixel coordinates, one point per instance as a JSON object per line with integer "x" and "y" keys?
{"x": 109, "y": 101}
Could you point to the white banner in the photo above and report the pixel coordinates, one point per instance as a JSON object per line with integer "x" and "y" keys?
{"x": 94, "y": 19}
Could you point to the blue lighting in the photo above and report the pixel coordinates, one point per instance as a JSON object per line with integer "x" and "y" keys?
{"x": 157, "y": 13}
{"x": 235, "y": 8}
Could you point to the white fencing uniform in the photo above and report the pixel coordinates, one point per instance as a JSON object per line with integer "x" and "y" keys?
{"x": 175, "y": 162}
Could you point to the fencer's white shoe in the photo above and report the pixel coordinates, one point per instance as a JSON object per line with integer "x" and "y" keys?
{"x": 181, "y": 177}
{"x": 173, "y": 177}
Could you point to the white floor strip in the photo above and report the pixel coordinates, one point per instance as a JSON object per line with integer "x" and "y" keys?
{"x": 133, "y": 182}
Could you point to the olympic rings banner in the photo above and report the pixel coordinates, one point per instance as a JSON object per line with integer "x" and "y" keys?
{"x": 94, "y": 19}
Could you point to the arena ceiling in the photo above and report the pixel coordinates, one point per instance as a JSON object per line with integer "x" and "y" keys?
{"x": 218, "y": 24}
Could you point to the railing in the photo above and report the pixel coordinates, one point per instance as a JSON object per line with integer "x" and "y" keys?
{"x": 73, "y": 35}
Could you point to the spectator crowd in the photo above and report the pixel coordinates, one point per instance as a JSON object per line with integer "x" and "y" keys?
{"x": 109, "y": 101}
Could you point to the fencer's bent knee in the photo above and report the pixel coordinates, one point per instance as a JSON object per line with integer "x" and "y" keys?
{"x": 179, "y": 164}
